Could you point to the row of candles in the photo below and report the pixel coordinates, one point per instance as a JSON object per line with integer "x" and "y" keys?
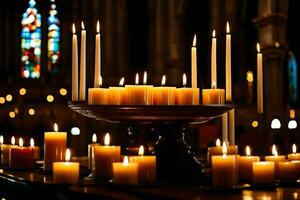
{"x": 228, "y": 167}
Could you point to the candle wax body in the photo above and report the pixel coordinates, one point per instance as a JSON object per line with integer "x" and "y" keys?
{"x": 140, "y": 94}
{"x": 125, "y": 174}
{"x": 104, "y": 157}
{"x": 297, "y": 162}
{"x": 98, "y": 96}
{"x": 65, "y": 172}
{"x": 187, "y": 96}
{"x": 287, "y": 171}
{"x": 5, "y": 153}
{"x": 224, "y": 170}
{"x": 147, "y": 167}
{"x": 91, "y": 155}
{"x": 213, "y": 96}
{"x": 54, "y": 148}
{"x": 263, "y": 172}
{"x": 294, "y": 156}
{"x": 164, "y": 95}
{"x": 231, "y": 150}
{"x": 118, "y": 96}
{"x": 36, "y": 150}
{"x": 276, "y": 160}
{"x": 74, "y": 68}
{"x": 245, "y": 167}
{"x": 21, "y": 157}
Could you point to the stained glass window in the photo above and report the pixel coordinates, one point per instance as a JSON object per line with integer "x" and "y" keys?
{"x": 293, "y": 79}
{"x": 31, "y": 42}
{"x": 53, "y": 38}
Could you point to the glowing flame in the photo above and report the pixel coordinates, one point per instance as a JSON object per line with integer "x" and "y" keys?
{"x": 258, "y": 48}
{"x": 218, "y": 142}
{"x": 100, "y": 81}
{"x": 227, "y": 28}
{"x": 184, "y": 80}
{"x": 137, "y": 79}
{"x": 94, "y": 138}
{"x": 294, "y": 148}
{"x": 224, "y": 149}
{"x": 194, "y": 40}
{"x": 31, "y": 142}
{"x": 82, "y": 25}
{"x": 145, "y": 78}
{"x": 98, "y": 27}
{"x": 248, "y": 151}
{"x": 68, "y": 155}
{"x": 73, "y": 28}
{"x": 55, "y": 127}
{"x": 125, "y": 161}
{"x": 214, "y": 85}
{"x": 163, "y": 80}
{"x": 274, "y": 150}
{"x": 1, "y": 139}
{"x": 21, "y": 142}
{"x": 121, "y": 83}
{"x": 13, "y": 140}
{"x": 214, "y": 33}
{"x": 141, "y": 150}
{"x": 106, "y": 139}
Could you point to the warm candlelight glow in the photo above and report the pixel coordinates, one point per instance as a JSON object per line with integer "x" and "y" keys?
{"x": 31, "y": 142}
{"x": 227, "y": 28}
{"x": 106, "y": 139}
{"x": 137, "y": 79}
{"x": 68, "y": 155}
{"x": 21, "y": 142}
{"x": 1, "y": 139}
{"x": 100, "y": 81}
{"x": 13, "y": 140}
{"x": 258, "y": 48}
{"x": 224, "y": 149}
{"x": 98, "y": 27}
{"x": 145, "y": 78}
{"x": 194, "y": 40}
{"x": 121, "y": 83}
{"x": 141, "y": 150}
{"x": 294, "y": 148}
{"x": 125, "y": 161}
{"x": 163, "y": 80}
{"x": 184, "y": 80}
{"x": 274, "y": 150}
{"x": 94, "y": 138}
{"x": 214, "y": 33}
{"x": 73, "y": 28}
{"x": 248, "y": 151}
{"x": 214, "y": 85}
{"x": 218, "y": 142}
{"x": 82, "y": 26}
{"x": 55, "y": 127}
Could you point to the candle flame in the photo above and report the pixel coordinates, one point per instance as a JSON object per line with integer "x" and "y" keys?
{"x": 121, "y": 83}
{"x": 218, "y": 142}
{"x": 274, "y": 150}
{"x": 224, "y": 148}
{"x": 1, "y": 139}
{"x": 73, "y": 28}
{"x": 125, "y": 161}
{"x": 98, "y": 27}
{"x": 227, "y": 28}
{"x": 68, "y": 155}
{"x": 21, "y": 142}
{"x": 82, "y": 25}
{"x": 141, "y": 150}
{"x": 248, "y": 151}
{"x": 194, "y": 40}
{"x": 163, "y": 80}
{"x": 184, "y": 80}
{"x": 145, "y": 78}
{"x": 31, "y": 142}
{"x": 294, "y": 148}
{"x": 106, "y": 139}
{"x": 13, "y": 140}
{"x": 214, "y": 85}
{"x": 94, "y": 138}
{"x": 55, "y": 127}
{"x": 258, "y": 48}
{"x": 137, "y": 79}
{"x": 100, "y": 81}
{"x": 214, "y": 33}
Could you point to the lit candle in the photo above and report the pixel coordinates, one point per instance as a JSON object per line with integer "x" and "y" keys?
{"x": 275, "y": 158}
{"x": 21, "y": 157}
{"x": 185, "y": 95}
{"x": 297, "y": 162}
{"x": 82, "y": 64}
{"x": 294, "y": 155}
{"x": 54, "y": 147}
{"x": 194, "y": 63}
{"x": 224, "y": 169}
{"x": 263, "y": 172}
{"x": 147, "y": 165}
{"x": 74, "y": 65}
{"x": 232, "y": 127}
{"x": 245, "y": 165}
{"x": 214, "y": 60}
{"x": 164, "y": 95}
{"x": 66, "y": 172}
{"x": 287, "y": 171}
{"x": 104, "y": 157}
{"x": 118, "y": 95}
{"x": 228, "y": 64}
{"x": 98, "y": 96}
{"x": 225, "y": 127}
{"x": 260, "y": 97}
{"x": 217, "y": 150}
{"x": 125, "y": 172}
{"x": 91, "y": 153}
{"x": 97, "y": 56}
{"x": 213, "y": 95}
{"x": 6, "y": 150}
{"x": 35, "y": 149}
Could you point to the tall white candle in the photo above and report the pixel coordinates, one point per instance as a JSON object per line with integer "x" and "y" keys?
{"x": 97, "y": 57}
{"x": 228, "y": 64}
{"x": 232, "y": 127}
{"x": 74, "y": 65}
{"x": 194, "y": 63}
{"x": 214, "y": 60}
{"x": 260, "y": 105}
{"x": 225, "y": 127}
{"x": 82, "y": 64}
